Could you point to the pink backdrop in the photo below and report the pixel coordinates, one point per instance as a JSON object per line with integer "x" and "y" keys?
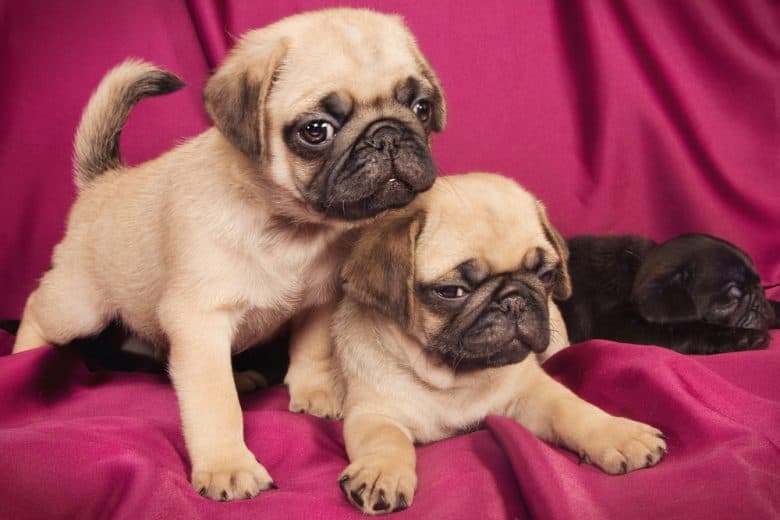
{"x": 653, "y": 117}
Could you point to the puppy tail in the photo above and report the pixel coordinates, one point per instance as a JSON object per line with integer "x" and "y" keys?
{"x": 96, "y": 148}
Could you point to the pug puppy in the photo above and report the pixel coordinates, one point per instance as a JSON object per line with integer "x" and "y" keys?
{"x": 695, "y": 294}
{"x": 321, "y": 122}
{"x": 448, "y": 310}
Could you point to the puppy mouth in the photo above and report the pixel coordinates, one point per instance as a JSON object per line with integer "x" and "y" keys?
{"x": 509, "y": 353}
{"x": 396, "y": 184}
{"x": 393, "y": 193}
{"x": 757, "y": 313}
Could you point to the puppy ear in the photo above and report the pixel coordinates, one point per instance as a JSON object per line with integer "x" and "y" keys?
{"x": 235, "y": 95}
{"x": 664, "y": 297}
{"x": 439, "y": 120}
{"x": 379, "y": 272}
{"x": 562, "y": 283}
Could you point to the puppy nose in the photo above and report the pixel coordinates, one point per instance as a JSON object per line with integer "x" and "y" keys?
{"x": 514, "y": 304}
{"x": 385, "y": 138}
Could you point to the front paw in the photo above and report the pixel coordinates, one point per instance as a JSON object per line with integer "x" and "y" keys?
{"x": 621, "y": 445}
{"x": 320, "y": 401}
{"x": 751, "y": 339}
{"x": 377, "y": 486}
{"x": 231, "y": 478}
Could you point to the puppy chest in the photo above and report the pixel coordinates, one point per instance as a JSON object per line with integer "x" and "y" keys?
{"x": 289, "y": 278}
{"x": 443, "y": 416}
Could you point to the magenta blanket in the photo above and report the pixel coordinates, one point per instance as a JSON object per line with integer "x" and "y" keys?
{"x": 652, "y": 117}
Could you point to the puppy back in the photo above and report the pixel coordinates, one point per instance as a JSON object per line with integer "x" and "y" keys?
{"x": 96, "y": 147}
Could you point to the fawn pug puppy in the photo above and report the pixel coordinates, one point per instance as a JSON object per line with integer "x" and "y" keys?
{"x": 448, "y": 307}
{"x": 321, "y": 121}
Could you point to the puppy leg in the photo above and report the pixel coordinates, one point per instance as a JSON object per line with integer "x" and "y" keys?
{"x": 223, "y": 468}
{"x": 65, "y": 306}
{"x": 381, "y": 476}
{"x": 314, "y": 385}
{"x": 249, "y": 380}
{"x": 553, "y": 413}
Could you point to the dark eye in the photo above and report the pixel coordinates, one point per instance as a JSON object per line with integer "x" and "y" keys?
{"x": 317, "y": 132}
{"x": 450, "y": 292}
{"x": 730, "y": 299}
{"x": 422, "y": 109}
{"x": 546, "y": 276}
{"x": 734, "y": 293}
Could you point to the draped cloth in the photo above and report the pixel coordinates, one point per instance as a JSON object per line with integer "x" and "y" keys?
{"x": 649, "y": 117}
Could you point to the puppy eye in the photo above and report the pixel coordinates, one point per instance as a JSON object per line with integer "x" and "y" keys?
{"x": 450, "y": 292}
{"x": 422, "y": 109}
{"x": 546, "y": 276}
{"x": 734, "y": 293}
{"x": 317, "y": 132}
{"x": 729, "y": 300}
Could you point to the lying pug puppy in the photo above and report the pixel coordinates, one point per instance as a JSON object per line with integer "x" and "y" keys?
{"x": 695, "y": 294}
{"x": 448, "y": 307}
{"x": 322, "y": 121}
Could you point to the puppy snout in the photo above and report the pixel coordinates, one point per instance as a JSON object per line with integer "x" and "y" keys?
{"x": 513, "y": 298}
{"x": 758, "y": 312}
{"x": 514, "y": 304}
{"x": 386, "y": 140}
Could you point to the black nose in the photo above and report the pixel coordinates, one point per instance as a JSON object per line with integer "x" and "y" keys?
{"x": 513, "y": 304}
{"x": 385, "y": 137}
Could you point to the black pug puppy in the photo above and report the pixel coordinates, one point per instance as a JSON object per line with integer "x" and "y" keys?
{"x": 695, "y": 294}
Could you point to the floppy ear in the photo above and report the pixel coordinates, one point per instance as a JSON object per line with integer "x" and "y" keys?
{"x": 439, "y": 120}
{"x": 562, "y": 282}
{"x": 664, "y": 297}
{"x": 379, "y": 272}
{"x": 235, "y": 95}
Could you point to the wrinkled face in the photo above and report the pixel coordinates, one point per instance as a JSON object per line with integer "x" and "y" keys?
{"x": 727, "y": 289}
{"x": 336, "y": 107}
{"x": 476, "y": 317}
{"x": 698, "y": 278}
{"x": 470, "y": 272}
{"x": 355, "y": 156}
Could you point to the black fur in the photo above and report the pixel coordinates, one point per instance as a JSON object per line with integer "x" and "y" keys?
{"x": 104, "y": 352}
{"x": 674, "y": 294}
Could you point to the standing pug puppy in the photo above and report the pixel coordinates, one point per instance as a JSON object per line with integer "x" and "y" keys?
{"x": 447, "y": 308}
{"x": 322, "y": 121}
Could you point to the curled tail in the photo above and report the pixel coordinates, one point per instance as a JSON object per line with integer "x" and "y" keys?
{"x": 97, "y": 140}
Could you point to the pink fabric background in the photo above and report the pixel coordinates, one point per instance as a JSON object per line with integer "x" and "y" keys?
{"x": 652, "y": 117}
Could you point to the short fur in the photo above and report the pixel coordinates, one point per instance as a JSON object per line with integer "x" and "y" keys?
{"x": 695, "y": 294}
{"x": 448, "y": 312}
{"x": 213, "y": 246}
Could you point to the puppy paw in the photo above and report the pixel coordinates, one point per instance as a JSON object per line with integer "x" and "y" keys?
{"x": 232, "y": 479}
{"x": 752, "y": 339}
{"x": 377, "y": 486}
{"x": 319, "y": 401}
{"x": 249, "y": 381}
{"x": 622, "y": 445}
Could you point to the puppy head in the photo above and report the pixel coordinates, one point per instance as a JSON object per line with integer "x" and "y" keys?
{"x": 696, "y": 277}
{"x": 336, "y": 107}
{"x": 469, "y": 270}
